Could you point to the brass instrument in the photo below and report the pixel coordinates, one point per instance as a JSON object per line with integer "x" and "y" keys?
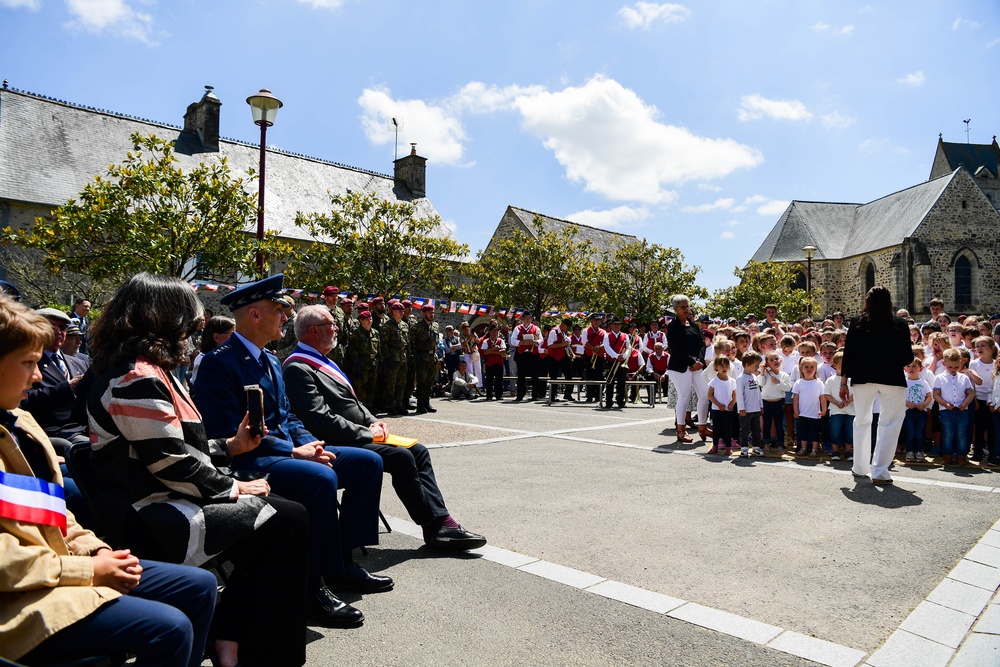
{"x": 619, "y": 360}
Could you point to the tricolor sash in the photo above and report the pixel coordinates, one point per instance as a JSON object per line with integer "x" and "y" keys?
{"x": 320, "y": 363}
{"x": 32, "y": 500}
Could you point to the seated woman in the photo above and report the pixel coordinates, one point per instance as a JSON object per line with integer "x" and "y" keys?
{"x": 150, "y": 451}
{"x": 217, "y": 331}
{"x": 65, "y": 594}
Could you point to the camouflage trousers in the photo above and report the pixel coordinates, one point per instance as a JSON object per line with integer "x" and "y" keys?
{"x": 425, "y": 373}
{"x": 393, "y": 381}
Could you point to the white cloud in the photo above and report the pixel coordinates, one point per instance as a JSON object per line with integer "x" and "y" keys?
{"x": 603, "y": 134}
{"x": 709, "y": 187}
{"x": 835, "y": 120}
{"x": 993, "y": 43}
{"x": 914, "y": 79}
{"x": 608, "y": 138}
{"x": 845, "y": 30}
{"x": 959, "y": 22}
{"x": 773, "y": 207}
{"x": 322, "y": 4}
{"x": 114, "y": 15}
{"x": 732, "y": 223}
{"x": 724, "y": 203}
{"x": 870, "y": 146}
{"x": 756, "y": 107}
{"x": 754, "y": 199}
{"x": 33, "y": 5}
{"x": 645, "y": 14}
{"x": 727, "y": 236}
{"x": 614, "y": 218}
{"x": 437, "y": 131}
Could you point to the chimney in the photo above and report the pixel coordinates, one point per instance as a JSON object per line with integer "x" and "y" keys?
{"x": 202, "y": 118}
{"x": 411, "y": 173}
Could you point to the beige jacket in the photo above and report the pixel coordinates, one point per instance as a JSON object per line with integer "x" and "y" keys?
{"x": 45, "y": 578}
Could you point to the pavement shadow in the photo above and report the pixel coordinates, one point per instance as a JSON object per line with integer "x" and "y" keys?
{"x": 378, "y": 560}
{"x": 887, "y": 497}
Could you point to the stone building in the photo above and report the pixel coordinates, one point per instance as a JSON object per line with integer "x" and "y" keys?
{"x": 51, "y": 149}
{"x": 938, "y": 238}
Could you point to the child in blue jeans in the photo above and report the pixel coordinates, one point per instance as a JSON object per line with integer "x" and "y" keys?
{"x": 841, "y": 414}
{"x": 919, "y": 397}
{"x": 953, "y": 392}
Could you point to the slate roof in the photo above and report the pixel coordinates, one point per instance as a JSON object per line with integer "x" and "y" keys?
{"x": 846, "y": 230}
{"x": 50, "y": 149}
{"x": 972, "y": 156}
{"x": 602, "y": 239}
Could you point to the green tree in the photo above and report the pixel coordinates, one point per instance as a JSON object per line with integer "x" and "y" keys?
{"x": 372, "y": 244}
{"x": 546, "y": 270}
{"x": 761, "y": 284}
{"x": 147, "y": 214}
{"x": 639, "y": 278}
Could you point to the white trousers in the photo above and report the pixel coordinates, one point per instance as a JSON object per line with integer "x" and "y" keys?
{"x": 892, "y": 402}
{"x": 682, "y": 382}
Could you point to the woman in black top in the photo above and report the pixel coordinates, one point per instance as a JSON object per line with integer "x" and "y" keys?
{"x": 877, "y": 349}
{"x": 686, "y": 348}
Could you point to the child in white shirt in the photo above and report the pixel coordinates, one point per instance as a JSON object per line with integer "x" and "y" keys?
{"x": 806, "y": 405}
{"x": 953, "y": 392}
{"x": 919, "y": 397}
{"x": 722, "y": 397}
{"x": 841, "y": 414}
{"x": 984, "y": 434}
{"x": 775, "y": 383}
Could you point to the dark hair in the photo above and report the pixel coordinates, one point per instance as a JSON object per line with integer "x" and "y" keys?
{"x": 215, "y": 325}
{"x": 149, "y": 316}
{"x": 878, "y": 307}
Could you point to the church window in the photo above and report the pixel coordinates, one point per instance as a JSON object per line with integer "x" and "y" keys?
{"x": 963, "y": 281}
{"x": 965, "y": 204}
{"x": 869, "y": 277}
{"x": 800, "y": 281}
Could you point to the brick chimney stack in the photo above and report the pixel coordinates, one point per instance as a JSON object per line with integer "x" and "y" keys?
{"x": 202, "y": 118}
{"x": 411, "y": 173}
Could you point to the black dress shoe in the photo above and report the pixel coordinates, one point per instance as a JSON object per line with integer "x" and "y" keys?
{"x": 454, "y": 539}
{"x": 324, "y": 609}
{"x": 356, "y": 578}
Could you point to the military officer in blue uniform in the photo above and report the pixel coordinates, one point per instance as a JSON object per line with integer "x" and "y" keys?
{"x": 298, "y": 465}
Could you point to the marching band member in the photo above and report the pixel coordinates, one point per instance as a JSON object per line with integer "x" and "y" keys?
{"x": 559, "y": 361}
{"x": 525, "y": 338}
{"x": 493, "y": 350}
{"x": 656, "y": 367}
{"x": 653, "y": 337}
{"x": 635, "y": 367}
{"x": 578, "y": 365}
{"x": 617, "y": 348}
{"x": 593, "y": 345}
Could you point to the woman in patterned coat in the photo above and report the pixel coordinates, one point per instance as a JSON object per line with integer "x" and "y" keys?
{"x": 152, "y": 456}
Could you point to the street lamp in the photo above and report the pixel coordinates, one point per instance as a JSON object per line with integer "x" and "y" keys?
{"x": 809, "y": 251}
{"x": 264, "y": 107}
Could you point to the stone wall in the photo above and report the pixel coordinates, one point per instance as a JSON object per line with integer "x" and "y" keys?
{"x": 509, "y": 223}
{"x": 963, "y": 221}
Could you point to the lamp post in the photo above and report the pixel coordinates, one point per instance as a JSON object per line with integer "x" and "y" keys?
{"x": 809, "y": 251}
{"x": 264, "y": 107}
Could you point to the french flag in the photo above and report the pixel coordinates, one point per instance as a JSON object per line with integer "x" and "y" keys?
{"x": 32, "y": 500}
{"x": 465, "y": 308}
{"x": 454, "y": 307}
{"x": 482, "y": 309}
{"x": 419, "y": 302}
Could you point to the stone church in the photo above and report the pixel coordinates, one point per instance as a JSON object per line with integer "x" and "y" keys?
{"x": 937, "y": 238}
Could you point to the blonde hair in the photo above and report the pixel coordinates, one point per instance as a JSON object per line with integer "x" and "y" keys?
{"x": 952, "y": 354}
{"x": 22, "y": 327}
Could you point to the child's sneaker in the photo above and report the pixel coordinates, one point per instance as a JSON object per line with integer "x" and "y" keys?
{"x": 757, "y": 451}
{"x": 744, "y": 452}
{"x": 835, "y": 455}
{"x": 910, "y": 458}
{"x": 850, "y": 456}
{"x": 920, "y": 457}
{"x": 814, "y": 453}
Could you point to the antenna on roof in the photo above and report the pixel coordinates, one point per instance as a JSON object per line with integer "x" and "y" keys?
{"x": 396, "y": 123}
{"x": 967, "y": 121}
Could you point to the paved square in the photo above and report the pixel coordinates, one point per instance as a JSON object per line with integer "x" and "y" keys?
{"x": 794, "y": 556}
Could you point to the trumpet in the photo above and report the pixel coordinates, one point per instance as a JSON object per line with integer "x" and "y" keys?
{"x": 617, "y": 363}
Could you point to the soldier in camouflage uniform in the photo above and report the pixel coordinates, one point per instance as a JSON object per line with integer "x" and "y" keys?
{"x": 378, "y": 313}
{"x": 331, "y": 294}
{"x": 423, "y": 343}
{"x": 361, "y": 360}
{"x": 394, "y": 341}
{"x": 411, "y": 321}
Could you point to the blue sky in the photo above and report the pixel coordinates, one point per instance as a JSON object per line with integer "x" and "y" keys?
{"x": 691, "y": 124}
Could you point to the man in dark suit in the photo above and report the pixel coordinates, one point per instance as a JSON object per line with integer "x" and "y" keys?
{"x": 51, "y": 400}
{"x": 298, "y": 465}
{"x": 322, "y": 393}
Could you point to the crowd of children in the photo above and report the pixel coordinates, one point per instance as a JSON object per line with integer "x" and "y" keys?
{"x": 771, "y": 390}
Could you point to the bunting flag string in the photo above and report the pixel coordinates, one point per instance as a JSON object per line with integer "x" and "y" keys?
{"x": 445, "y": 306}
